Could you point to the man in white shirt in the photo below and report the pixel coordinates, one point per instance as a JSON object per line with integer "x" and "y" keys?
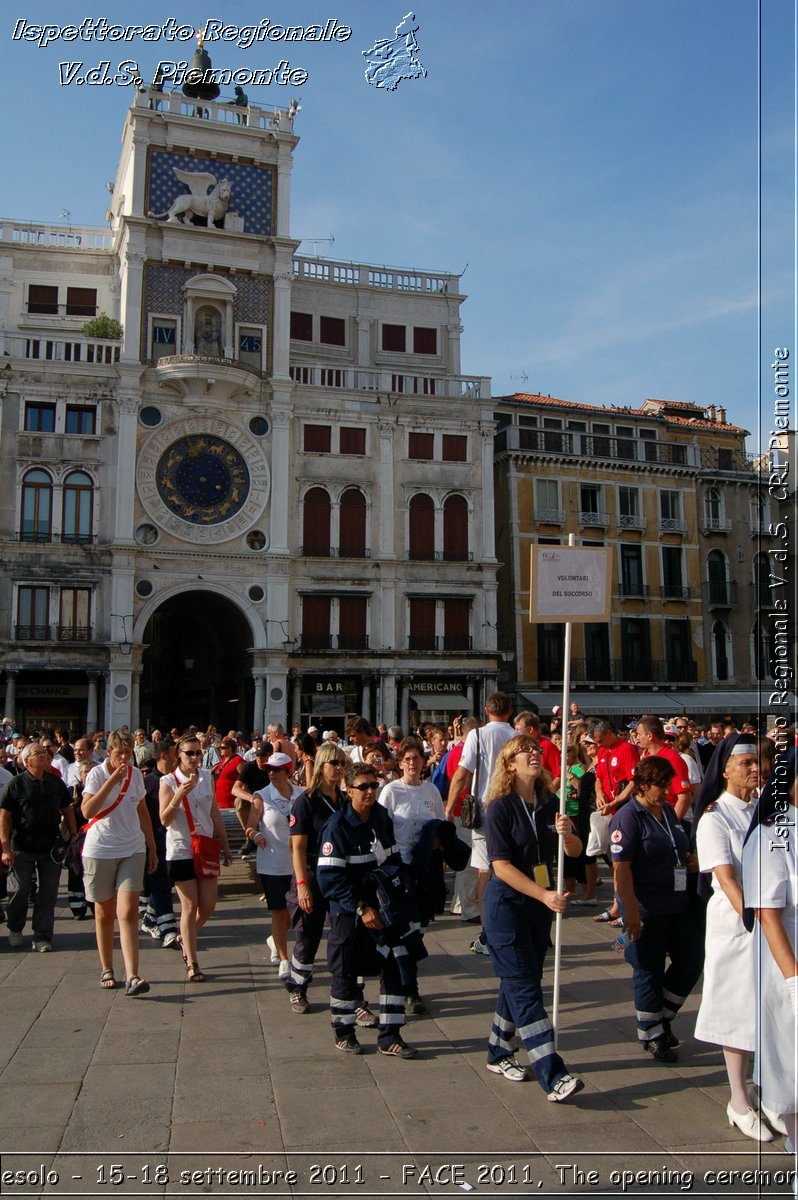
{"x": 480, "y": 752}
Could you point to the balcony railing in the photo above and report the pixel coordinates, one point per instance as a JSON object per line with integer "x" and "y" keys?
{"x": 550, "y": 516}
{"x": 416, "y": 555}
{"x": 53, "y": 633}
{"x": 672, "y": 525}
{"x": 357, "y": 379}
{"x": 395, "y": 279}
{"x": 64, "y": 237}
{"x": 715, "y": 524}
{"x": 722, "y": 458}
{"x": 449, "y": 642}
{"x": 74, "y": 633}
{"x": 630, "y": 521}
{"x": 334, "y": 552}
{"x": 616, "y": 671}
{"x": 43, "y": 537}
{"x": 674, "y": 591}
{"x": 594, "y": 520}
{"x": 64, "y": 349}
{"x": 221, "y": 112}
{"x": 720, "y": 593}
{"x": 596, "y": 446}
{"x": 339, "y": 641}
{"x": 629, "y": 590}
{"x": 32, "y": 633}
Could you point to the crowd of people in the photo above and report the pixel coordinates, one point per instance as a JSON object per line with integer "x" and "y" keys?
{"x": 356, "y": 834}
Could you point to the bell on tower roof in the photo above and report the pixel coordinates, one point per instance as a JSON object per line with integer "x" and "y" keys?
{"x": 199, "y": 83}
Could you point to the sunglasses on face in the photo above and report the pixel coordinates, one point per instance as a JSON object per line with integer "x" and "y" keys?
{"x": 364, "y": 787}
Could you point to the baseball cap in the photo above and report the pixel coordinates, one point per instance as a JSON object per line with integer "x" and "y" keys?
{"x": 671, "y": 730}
{"x": 278, "y": 760}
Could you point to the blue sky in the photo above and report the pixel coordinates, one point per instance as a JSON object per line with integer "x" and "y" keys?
{"x": 592, "y": 166}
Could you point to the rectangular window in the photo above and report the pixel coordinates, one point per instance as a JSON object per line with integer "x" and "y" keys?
{"x": 74, "y": 620}
{"x": 589, "y": 498}
{"x": 394, "y": 338}
{"x": 39, "y": 418}
{"x": 547, "y": 497}
{"x": 625, "y": 445}
{"x": 302, "y": 326}
{"x": 81, "y": 302}
{"x": 602, "y": 445}
{"x": 422, "y": 623}
{"x": 550, "y": 639}
{"x": 352, "y": 440}
{"x": 628, "y": 502}
{"x": 635, "y": 650}
{"x": 80, "y": 420}
{"x": 352, "y": 614}
{"x": 597, "y": 651}
{"x": 316, "y": 623}
{"x": 672, "y": 586}
{"x": 425, "y": 341}
{"x": 670, "y": 506}
{"x": 679, "y": 664}
{"x": 43, "y": 298}
{"x": 456, "y": 624}
{"x": 553, "y": 439}
{"x": 455, "y": 447}
{"x": 33, "y": 612}
{"x": 725, "y": 459}
{"x": 332, "y": 331}
{"x": 631, "y": 570}
{"x": 420, "y": 446}
{"x": 317, "y": 439}
{"x": 649, "y": 439}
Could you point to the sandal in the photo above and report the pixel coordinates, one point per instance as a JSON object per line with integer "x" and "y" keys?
{"x": 195, "y": 975}
{"x": 605, "y": 916}
{"x": 181, "y": 947}
{"x": 108, "y": 980}
{"x": 616, "y": 923}
{"x": 136, "y": 986}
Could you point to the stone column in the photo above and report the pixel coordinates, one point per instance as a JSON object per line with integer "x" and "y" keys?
{"x": 91, "y": 702}
{"x": 471, "y": 698}
{"x": 125, "y": 473}
{"x": 281, "y": 321}
{"x": 284, "y": 164}
{"x": 276, "y": 696}
{"x": 135, "y": 704}
{"x": 487, "y": 506}
{"x": 296, "y": 700}
{"x": 9, "y": 708}
{"x": 404, "y": 706}
{"x": 260, "y": 693}
{"x": 388, "y": 504}
{"x": 281, "y": 484}
{"x": 365, "y": 700}
{"x": 387, "y": 709}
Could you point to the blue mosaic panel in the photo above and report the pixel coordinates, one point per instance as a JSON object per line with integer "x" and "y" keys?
{"x": 163, "y": 290}
{"x": 252, "y": 187}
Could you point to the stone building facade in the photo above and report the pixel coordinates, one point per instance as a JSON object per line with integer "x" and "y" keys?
{"x": 272, "y": 497}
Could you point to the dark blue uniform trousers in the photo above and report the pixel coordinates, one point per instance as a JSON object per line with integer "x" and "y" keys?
{"x": 351, "y": 954}
{"x": 308, "y": 931}
{"x": 659, "y": 991}
{"x": 517, "y": 930}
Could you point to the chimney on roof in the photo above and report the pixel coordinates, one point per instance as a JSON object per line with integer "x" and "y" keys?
{"x": 721, "y": 417}
{"x": 712, "y": 414}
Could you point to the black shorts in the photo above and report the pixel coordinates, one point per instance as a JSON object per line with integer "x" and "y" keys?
{"x": 275, "y": 888}
{"x": 181, "y": 870}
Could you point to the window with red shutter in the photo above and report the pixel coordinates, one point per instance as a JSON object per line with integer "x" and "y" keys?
{"x": 316, "y": 523}
{"x": 422, "y": 528}
{"x": 455, "y": 529}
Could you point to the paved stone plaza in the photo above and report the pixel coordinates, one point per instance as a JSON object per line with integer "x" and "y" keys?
{"x": 203, "y": 1084}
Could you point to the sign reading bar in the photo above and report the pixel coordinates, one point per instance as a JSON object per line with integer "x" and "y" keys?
{"x": 570, "y": 583}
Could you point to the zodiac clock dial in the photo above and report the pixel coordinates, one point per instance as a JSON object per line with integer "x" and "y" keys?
{"x": 203, "y": 479}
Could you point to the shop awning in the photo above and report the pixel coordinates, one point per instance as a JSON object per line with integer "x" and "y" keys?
{"x": 662, "y": 702}
{"x": 443, "y": 701}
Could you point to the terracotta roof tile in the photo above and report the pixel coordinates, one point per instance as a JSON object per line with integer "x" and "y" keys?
{"x": 699, "y": 421}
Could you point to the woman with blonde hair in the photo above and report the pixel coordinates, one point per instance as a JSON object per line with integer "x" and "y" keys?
{"x": 522, "y": 825}
{"x": 119, "y": 841}
{"x": 306, "y": 906}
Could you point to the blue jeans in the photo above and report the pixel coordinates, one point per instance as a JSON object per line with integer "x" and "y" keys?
{"x": 517, "y": 929}
{"x": 20, "y": 878}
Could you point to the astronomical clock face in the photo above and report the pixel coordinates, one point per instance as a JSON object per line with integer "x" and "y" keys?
{"x": 203, "y": 479}
{"x": 200, "y": 485}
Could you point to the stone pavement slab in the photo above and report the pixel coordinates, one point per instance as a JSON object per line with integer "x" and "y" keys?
{"x": 223, "y": 1076}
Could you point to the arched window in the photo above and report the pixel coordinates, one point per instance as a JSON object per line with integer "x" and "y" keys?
{"x": 316, "y": 523}
{"x": 761, "y": 650}
{"x": 78, "y": 506}
{"x": 717, "y": 576}
{"x": 455, "y": 529}
{"x": 352, "y": 524}
{"x": 37, "y": 507}
{"x": 720, "y": 648}
{"x": 422, "y": 528}
{"x": 761, "y": 568}
{"x": 712, "y": 508}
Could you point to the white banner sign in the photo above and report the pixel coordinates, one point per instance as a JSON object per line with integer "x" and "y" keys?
{"x": 570, "y": 583}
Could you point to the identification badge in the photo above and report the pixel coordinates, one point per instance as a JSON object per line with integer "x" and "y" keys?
{"x": 680, "y": 879}
{"x": 540, "y": 874}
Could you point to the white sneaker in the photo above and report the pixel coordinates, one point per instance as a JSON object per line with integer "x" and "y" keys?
{"x": 275, "y": 953}
{"x": 509, "y": 1068}
{"x": 284, "y": 969}
{"x": 170, "y": 939}
{"x": 750, "y": 1124}
{"x": 41, "y": 946}
{"x": 565, "y": 1087}
{"x": 479, "y": 947}
{"x": 15, "y": 940}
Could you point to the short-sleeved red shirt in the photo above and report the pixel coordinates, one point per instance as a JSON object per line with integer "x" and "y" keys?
{"x": 615, "y": 766}
{"x": 681, "y": 780}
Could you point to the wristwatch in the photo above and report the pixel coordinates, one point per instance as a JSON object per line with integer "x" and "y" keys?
{"x": 361, "y": 908}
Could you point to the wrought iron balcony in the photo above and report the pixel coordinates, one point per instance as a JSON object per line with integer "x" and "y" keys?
{"x": 720, "y": 593}
{"x": 629, "y": 590}
{"x": 674, "y": 591}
